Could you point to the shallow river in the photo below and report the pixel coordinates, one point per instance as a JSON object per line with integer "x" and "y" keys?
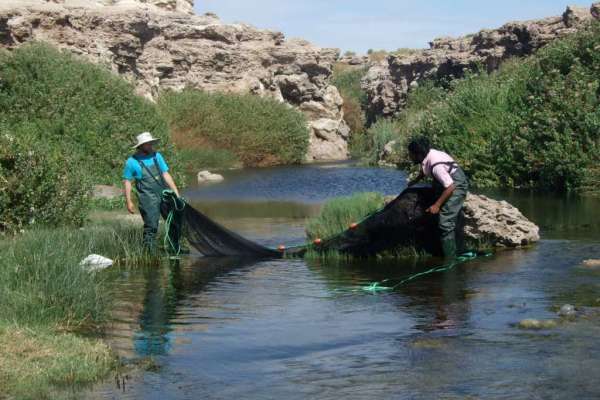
{"x": 226, "y": 328}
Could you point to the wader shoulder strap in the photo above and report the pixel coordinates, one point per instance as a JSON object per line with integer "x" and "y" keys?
{"x": 451, "y": 164}
{"x": 160, "y": 182}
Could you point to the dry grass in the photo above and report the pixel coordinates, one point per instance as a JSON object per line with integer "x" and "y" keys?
{"x": 33, "y": 362}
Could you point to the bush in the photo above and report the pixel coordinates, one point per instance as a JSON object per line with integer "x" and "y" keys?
{"x": 347, "y": 80}
{"x": 383, "y": 131}
{"x": 338, "y": 213}
{"x": 64, "y": 124}
{"x": 533, "y": 123}
{"x": 257, "y": 131}
{"x": 37, "y": 185}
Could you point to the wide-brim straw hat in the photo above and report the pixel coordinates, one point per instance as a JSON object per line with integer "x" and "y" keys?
{"x": 145, "y": 137}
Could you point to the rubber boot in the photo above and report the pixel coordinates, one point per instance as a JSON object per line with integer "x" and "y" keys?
{"x": 449, "y": 249}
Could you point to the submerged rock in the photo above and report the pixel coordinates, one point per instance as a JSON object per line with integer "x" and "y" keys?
{"x": 536, "y": 324}
{"x": 591, "y": 263}
{"x": 160, "y": 44}
{"x": 567, "y": 310}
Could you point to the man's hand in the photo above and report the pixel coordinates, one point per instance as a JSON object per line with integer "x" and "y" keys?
{"x": 434, "y": 209}
{"x": 130, "y": 207}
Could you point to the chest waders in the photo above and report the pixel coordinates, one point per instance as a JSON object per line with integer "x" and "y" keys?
{"x": 149, "y": 188}
{"x": 450, "y": 210}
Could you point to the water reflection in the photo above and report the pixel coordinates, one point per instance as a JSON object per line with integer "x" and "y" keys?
{"x": 294, "y": 329}
{"x": 167, "y": 288}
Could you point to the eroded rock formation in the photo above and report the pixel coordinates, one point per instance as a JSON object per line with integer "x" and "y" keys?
{"x": 160, "y": 44}
{"x": 388, "y": 83}
{"x": 497, "y": 223}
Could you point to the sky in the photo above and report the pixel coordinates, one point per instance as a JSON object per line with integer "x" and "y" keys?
{"x": 359, "y": 25}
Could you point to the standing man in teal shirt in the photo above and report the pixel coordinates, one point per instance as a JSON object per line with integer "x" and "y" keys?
{"x": 151, "y": 175}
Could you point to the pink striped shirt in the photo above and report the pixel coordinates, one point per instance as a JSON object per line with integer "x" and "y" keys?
{"x": 440, "y": 172}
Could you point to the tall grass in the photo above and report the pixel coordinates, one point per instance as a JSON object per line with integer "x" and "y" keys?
{"x": 338, "y": 213}
{"x": 533, "y": 123}
{"x": 256, "y": 131}
{"x": 42, "y": 283}
{"x": 47, "y": 299}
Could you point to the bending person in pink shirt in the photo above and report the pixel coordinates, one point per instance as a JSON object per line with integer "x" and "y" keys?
{"x": 451, "y": 183}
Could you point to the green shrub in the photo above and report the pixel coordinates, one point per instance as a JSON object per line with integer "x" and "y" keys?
{"x": 258, "y": 131}
{"x": 63, "y": 121}
{"x": 38, "y": 185}
{"x": 82, "y": 109}
{"x": 533, "y": 123}
{"x": 347, "y": 80}
{"x": 338, "y": 213}
{"x": 370, "y": 145}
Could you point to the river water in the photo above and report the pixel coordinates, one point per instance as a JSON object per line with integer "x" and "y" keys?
{"x": 230, "y": 328}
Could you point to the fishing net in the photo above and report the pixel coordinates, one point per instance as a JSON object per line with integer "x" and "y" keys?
{"x": 205, "y": 235}
{"x": 402, "y": 223}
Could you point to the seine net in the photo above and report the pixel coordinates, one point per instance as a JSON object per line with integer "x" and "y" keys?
{"x": 400, "y": 224}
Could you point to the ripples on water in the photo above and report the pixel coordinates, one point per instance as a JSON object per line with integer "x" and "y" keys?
{"x": 230, "y": 328}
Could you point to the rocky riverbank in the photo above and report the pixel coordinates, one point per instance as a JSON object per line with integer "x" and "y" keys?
{"x": 388, "y": 83}
{"x": 161, "y": 45}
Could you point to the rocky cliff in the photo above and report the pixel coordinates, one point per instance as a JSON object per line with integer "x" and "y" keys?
{"x": 160, "y": 44}
{"x": 388, "y": 83}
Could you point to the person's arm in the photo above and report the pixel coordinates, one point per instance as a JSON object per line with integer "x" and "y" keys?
{"x": 435, "y": 208}
{"x": 417, "y": 179}
{"x": 170, "y": 182}
{"x": 128, "y": 201}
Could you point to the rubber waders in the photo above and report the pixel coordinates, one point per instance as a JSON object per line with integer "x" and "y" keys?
{"x": 149, "y": 189}
{"x": 450, "y": 211}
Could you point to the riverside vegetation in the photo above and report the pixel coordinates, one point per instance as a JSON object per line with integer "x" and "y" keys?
{"x": 66, "y": 124}
{"x": 221, "y": 130}
{"x": 47, "y": 300}
{"x": 347, "y": 79}
{"x": 533, "y": 123}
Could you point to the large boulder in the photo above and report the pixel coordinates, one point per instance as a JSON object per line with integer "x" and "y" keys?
{"x": 160, "y": 44}
{"x": 497, "y": 223}
{"x": 388, "y": 83}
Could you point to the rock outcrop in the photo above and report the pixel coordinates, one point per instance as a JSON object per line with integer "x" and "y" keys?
{"x": 160, "y": 44}
{"x": 497, "y": 223}
{"x": 388, "y": 83}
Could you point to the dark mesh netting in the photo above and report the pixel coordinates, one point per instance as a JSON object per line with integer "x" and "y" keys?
{"x": 401, "y": 223}
{"x": 210, "y": 238}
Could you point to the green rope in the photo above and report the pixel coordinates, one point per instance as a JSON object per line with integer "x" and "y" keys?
{"x": 376, "y": 287}
{"x": 178, "y": 206}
